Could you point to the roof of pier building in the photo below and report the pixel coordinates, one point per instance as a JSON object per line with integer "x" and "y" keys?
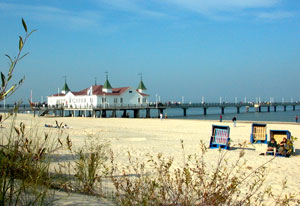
{"x": 107, "y": 85}
{"x": 65, "y": 89}
{"x": 97, "y": 90}
{"x": 142, "y": 86}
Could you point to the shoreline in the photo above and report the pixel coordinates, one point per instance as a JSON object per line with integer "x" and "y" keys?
{"x": 183, "y": 119}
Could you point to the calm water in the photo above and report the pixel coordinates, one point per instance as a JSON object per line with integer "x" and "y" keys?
{"x": 214, "y": 114}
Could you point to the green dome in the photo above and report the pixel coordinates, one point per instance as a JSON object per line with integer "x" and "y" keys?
{"x": 142, "y": 86}
{"x": 107, "y": 85}
{"x": 66, "y": 88}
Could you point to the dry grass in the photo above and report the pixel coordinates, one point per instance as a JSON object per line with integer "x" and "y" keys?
{"x": 155, "y": 182}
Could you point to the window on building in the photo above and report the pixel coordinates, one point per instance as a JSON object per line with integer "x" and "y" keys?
{"x": 115, "y": 100}
{"x": 103, "y": 100}
{"x": 130, "y": 91}
{"x": 144, "y": 100}
{"x": 139, "y": 99}
{"x": 121, "y": 100}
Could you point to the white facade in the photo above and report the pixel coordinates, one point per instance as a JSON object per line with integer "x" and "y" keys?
{"x": 96, "y": 96}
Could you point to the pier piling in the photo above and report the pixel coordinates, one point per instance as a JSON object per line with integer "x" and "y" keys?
{"x": 136, "y": 113}
{"x": 103, "y": 113}
{"x": 222, "y": 110}
{"x": 147, "y": 113}
{"x": 184, "y": 112}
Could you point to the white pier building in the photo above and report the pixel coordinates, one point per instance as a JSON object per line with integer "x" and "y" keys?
{"x": 99, "y": 96}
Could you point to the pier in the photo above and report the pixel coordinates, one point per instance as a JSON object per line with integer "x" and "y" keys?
{"x": 205, "y": 106}
{"x": 101, "y": 111}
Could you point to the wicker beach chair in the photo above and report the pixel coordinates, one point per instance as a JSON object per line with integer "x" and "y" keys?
{"x": 259, "y": 133}
{"x": 220, "y": 137}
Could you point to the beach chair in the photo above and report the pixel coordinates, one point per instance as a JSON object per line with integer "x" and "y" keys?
{"x": 278, "y": 135}
{"x": 220, "y": 137}
{"x": 259, "y": 133}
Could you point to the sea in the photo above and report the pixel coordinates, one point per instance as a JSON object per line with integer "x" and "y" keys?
{"x": 214, "y": 114}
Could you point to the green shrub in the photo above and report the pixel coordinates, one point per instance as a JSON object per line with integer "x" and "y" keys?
{"x": 24, "y": 166}
{"x": 91, "y": 167}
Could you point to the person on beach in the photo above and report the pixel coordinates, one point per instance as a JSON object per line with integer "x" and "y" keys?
{"x": 272, "y": 146}
{"x": 166, "y": 116}
{"x": 221, "y": 117}
{"x": 284, "y": 147}
{"x": 296, "y": 118}
{"x": 161, "y": 116}
{"x": 234, "y": 121}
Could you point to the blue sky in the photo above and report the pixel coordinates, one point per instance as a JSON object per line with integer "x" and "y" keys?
{"x": 189, "y": 48}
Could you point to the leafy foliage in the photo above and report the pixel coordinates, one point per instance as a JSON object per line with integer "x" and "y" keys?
{"x": 90, "y": 168}
{"x": 6, "y": 89}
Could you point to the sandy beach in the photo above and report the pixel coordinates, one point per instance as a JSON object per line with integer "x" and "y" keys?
{"x": 151, "y": 136}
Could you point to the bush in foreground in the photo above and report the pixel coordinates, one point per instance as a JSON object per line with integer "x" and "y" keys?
{"x": 24, "y": 166}
{"x": 197, "y": 183}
